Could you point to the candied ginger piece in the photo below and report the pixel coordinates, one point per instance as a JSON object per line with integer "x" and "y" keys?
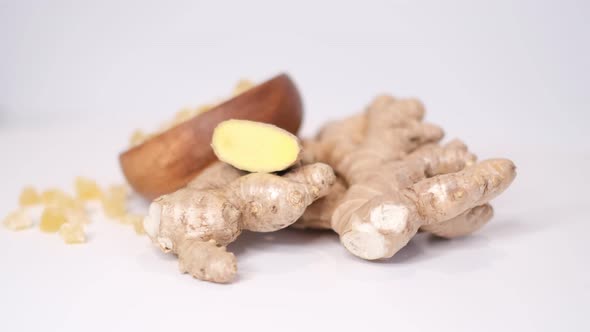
{"x": 53, "y": 195}
{"x": 87, "y": 189}
{"x": 18, "y": 220}
{"x": 77, "y": 216}
{"x": 138, "y": 226}
{"x": 57, "y": 197}
{"x": 114, "y": 202}
{"x": 138, "y": 137}
{"x": 135, "y": 220}
{"x": 130, "y": 218}
{"x": 29, "y": 196}
{"x": 52, "y": 218}
{"x": 183, "y": 115}
{"x": 203, "y": 109}
{"x": 72, "y": 233}
{"x": 242, "y": 86}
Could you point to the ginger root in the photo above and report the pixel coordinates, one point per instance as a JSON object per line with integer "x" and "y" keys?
{"x": 395, "y": 180}
{"x": 198, "y": 221}
{"x": 255, "y": 146}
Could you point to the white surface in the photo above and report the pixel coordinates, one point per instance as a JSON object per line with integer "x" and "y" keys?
{"x": 511, "y": 79}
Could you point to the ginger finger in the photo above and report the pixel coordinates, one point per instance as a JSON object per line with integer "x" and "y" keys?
{"x": 207, "y": 261}
{"x": 463, "y": 224}
{"x": 216, "y": 175}
{"x": 454, "y": 157}
{"x": 437, "y": 160}
{"x": 319, "y": 214}
{"x": 219, "y": 210}
{"x": 446, "y": 196}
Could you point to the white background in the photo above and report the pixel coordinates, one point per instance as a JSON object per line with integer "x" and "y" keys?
{"x": 510, "y": 78}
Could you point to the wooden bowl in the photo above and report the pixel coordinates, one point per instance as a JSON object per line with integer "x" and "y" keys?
{"x": 168, "y": 161}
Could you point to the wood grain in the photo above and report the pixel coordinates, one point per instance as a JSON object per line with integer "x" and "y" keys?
{"x": 168, "y": 161}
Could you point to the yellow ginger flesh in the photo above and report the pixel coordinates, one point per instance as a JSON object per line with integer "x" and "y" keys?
{"x": 255, "y": 146}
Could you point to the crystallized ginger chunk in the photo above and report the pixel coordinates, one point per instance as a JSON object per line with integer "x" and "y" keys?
{"x": 130, "y": 218}
{"x": 72, "y": 233}
{"x": 114, "y": 201}
{"x": 18, "y": 220}
{"x": 242, "y": 86}
{"x": 29, "y": 196}
{"x": 77, "y": 216}
{"x": 56, "y": 197}
{"x": 138, "y": 137}
{"x": 183, "y": 115}
{"x": 138, "y": 227}
{"x": 52, "y": 218}
{"x": 87, "y": 189}
{"x": 137, "y": 222}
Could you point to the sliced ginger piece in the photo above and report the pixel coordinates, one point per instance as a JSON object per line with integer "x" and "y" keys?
{"x": 87, "y": 189}
{"x": 255, "y": 146}
{"x": 72, "y": 233}
{"x": 18, "y": 220}
{"x": 52, "y": 218}
{"x": 29, "y": 196}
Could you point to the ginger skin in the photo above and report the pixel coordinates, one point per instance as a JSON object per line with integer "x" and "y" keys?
{"x": 198, "y": 221}
{"x": 396, "y": 180}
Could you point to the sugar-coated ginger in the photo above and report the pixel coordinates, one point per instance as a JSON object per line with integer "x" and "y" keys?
{"x": 137, "y": 137}
{"x": 242, "y": 86}
{"x": 396, "y": 179}
{"x": 198, "y": 221}
{"x": 55, "y": 196}
{"x": 255, "y": 146}
{"x": 135, "y": 220}
{"x": 187, "y": 113}
{"x": 114, "y": 201}
{"x": 72, "y": 233}
{"x": 52, "y": 218}
{"x": 29, "y": 196}
{"x": 77, "y": 215}
{"x": 18, "y": 220}
{"x": 87, "y": 189}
